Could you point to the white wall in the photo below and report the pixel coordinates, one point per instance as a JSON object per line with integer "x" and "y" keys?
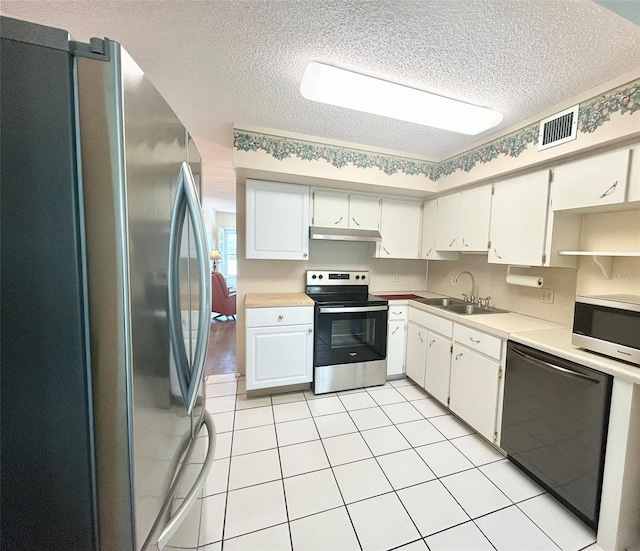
{"x": 491, "y": 281}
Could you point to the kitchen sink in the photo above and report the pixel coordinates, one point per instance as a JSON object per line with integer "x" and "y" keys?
{"x": 443, "y": 302}
{"x": 459, "y": 306}
{"x": 470, "y": 309}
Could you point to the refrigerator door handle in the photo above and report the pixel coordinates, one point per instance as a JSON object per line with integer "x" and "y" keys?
{"x": 187, "y": 201}
{"x": 176, "y": 520}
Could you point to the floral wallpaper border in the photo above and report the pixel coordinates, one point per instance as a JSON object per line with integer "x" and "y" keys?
{"x": 593, "y": 114}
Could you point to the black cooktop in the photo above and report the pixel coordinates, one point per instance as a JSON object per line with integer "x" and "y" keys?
{"x": 351, "y": 295}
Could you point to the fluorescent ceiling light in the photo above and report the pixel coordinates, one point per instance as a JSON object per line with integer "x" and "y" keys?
{"x": 343, "y": 88}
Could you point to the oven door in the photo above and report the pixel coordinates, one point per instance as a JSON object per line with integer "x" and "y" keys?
{"x": 350, "y": 334}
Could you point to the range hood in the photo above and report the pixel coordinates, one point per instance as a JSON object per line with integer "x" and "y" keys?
{"x": 344, "y": 234}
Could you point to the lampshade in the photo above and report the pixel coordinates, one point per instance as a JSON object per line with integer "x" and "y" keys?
{"x": 214, "y": 254}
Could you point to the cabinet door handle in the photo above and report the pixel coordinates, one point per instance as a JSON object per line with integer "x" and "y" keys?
{"x": 310, "y": 330}
{"x": 609, "y": 190}
{"x": 464, "y": 242}
{"x": 474, "y": 341}
{"x": 385, "y": 250}
{"x": 496, "y": 253}
{"x": 395, "y": 330}
{"x": 305, "y": 255}
{"x": 280, "y": 317}
{"x": 458, "y": 356}
{"x": 452, "y": 242}
{"x": 355, "y": 221}
{"x": 420, "y": 335}
{"x": 432, "y": 342}
{"x": 429, "y": 251}
{"x": 338, "y": 221}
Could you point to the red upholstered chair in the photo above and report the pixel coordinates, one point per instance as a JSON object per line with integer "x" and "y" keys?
{"x": 222, "y": 301}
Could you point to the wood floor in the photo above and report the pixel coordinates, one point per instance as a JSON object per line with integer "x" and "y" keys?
{"x": 221, "y": 355}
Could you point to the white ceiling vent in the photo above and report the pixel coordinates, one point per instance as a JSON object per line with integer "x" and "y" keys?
{"x": 559, "y": 128}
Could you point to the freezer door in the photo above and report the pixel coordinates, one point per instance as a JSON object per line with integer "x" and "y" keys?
{"x": 133, "y": 150}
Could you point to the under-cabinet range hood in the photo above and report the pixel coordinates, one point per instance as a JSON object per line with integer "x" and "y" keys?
{"x": 344, "y": 234}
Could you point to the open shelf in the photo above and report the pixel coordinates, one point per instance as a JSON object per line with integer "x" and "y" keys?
{"x": 599, "y": 253}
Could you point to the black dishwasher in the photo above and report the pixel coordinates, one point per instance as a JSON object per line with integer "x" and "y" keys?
{"x": 554, "y": 425}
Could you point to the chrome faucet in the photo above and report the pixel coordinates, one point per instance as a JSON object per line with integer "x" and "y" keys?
{"x": 472, "y": 298}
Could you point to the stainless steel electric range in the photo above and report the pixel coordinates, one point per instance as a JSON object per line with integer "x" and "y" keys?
{"x": 350, "y": 345}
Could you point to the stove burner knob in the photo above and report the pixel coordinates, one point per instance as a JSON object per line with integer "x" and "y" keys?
{"x": 363, "y": 277}
{"x": 314, "y": 276}
{"x": 357, "y": 277}
{"x": 320, "y": 276}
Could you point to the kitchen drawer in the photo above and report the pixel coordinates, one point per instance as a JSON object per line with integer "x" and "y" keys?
{"x": 476, "y": 340}
{"x": 397, "y": 313}
{"x": 270, "y": 317}
{"x": 431, "y": 322}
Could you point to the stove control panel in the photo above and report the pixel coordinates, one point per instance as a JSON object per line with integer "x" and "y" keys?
{"x": 324, "y": 277}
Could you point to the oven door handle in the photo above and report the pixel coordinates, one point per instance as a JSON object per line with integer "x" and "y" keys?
{"x": 351, "y": 309}
{"x": 554, "y": 367}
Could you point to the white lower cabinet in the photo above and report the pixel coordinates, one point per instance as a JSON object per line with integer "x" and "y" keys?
{"x": 279, "y": 346}
{"x": 416, "y": 352}
{"x": 460, "y": 367}
{"x": 473, "y": 394}
{"x": 396, "y": 340}
{"x": 438, "y": 367}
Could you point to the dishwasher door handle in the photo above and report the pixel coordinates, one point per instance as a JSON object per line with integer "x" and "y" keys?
{"x": 554, "y": 367}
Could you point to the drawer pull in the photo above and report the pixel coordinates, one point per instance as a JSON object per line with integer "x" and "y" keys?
{"x": 474, "y": 341}
{"x": 396, "y": 313}
{"x": 609, "y": 190}
{"x": 280, "y": 317}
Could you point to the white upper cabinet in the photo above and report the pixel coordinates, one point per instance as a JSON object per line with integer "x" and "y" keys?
{"x": 428, "y": 248}
{"x": 462, "y": 220}
{"x": 364, "y": 212}
{"x": 475, "y": 213}
{"x": 448, "y": 222}
{"x": 592, "y": 182}
{"x": 522, "y": 231}
{"x": 330, "y": 209}
{"x": 277, "y": 221}
{"x": 336, "y": 209}
{"x": 400, "y": 228}
{"x": 519, "y": 220}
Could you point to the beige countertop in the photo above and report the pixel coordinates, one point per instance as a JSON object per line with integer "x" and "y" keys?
{"x": 544, "y": 335}
{"x": 275, "y": 300}
{"x": 558, "y": 342}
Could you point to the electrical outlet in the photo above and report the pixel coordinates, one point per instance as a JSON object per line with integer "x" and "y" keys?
{"x": 396, "y": 277}
{"x": 547, "y": 296}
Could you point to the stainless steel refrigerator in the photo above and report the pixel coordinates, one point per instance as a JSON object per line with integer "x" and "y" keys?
{"x": 104, "y": 268}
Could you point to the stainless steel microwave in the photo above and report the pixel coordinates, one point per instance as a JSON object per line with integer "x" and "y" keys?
{"x": 610, "y": 325}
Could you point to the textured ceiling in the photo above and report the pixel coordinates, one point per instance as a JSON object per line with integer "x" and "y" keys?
{"x": 219, "y": 62}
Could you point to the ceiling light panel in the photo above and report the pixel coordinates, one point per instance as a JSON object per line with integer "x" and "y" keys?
{"x": 327, "y": 84}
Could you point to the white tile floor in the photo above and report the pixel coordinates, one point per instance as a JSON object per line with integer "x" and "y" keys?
{"x": 373, "y": 469}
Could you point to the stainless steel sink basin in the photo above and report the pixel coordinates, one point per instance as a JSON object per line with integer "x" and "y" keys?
{"x": 441, "y": 302}
{"x": 470, "y": 309}
{"x": 459, "y": 306}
